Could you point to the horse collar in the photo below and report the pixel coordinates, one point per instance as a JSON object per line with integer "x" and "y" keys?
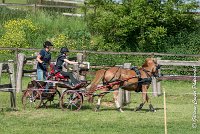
{"x": 146, "y": 71}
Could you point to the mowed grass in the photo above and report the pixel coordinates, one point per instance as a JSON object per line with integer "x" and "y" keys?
{"x": 15, "y": 1}
{"x": 53, "y": 120}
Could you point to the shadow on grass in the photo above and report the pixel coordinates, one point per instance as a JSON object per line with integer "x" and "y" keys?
{"x": 130, "y": 109}
{"x": 8, "y": 109}
{"x": 83, "y": 108}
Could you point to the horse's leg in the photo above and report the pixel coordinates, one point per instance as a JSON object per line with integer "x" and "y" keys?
{"x": 99, "y": 99}
{"x": 115, "y": 93}
{"x": 98, "y": 104}
{"x": 151, "y": 108}
{"x": 144, "y": 97}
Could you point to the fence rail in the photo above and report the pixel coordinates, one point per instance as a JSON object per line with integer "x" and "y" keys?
{"x": 39, "y": 5}
{"x": 107, "y": 53}
{"x": 157, "y": 84}
{"x": 72, "y": 5}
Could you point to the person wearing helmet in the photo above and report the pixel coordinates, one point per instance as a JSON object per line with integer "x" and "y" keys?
{"x": 44, "y": 58}
{"x": 62, "y": 58}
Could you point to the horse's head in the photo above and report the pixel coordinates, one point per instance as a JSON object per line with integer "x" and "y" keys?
{"x": 152, "y": 66}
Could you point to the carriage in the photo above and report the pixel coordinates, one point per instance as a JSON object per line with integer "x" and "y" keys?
{"x": 114, "y": 78}
{"x": 48, "y": 93}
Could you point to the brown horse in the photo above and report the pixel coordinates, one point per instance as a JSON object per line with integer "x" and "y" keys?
{"x": 129, "y": 79}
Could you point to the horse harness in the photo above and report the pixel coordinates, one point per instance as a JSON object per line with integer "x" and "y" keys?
{"x": 142, "y": 81}
{"x": 112, "y": 79}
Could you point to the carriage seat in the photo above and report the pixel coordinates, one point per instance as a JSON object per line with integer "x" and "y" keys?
{"x": 56, "y": 75}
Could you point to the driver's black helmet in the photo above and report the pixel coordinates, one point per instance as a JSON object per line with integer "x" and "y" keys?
{"x": 47, "y": 44}
{"x": 64, "y": 50}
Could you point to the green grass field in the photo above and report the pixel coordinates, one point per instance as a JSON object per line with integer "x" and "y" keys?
{"x": 53, "y": 120}
{"x": 15, "y": 1}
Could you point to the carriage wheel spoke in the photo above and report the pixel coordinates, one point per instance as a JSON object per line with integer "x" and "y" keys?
{"x": 71, "y": 100}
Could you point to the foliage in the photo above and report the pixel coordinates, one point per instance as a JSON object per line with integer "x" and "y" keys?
{"x": 59, "y": 41}
{"x": 139, "y": 25}
{"x": 67, "y": 31}
{"x": 183, "y": 43}
{"x": 49, "y": 25}
{"x": 17, "y": 32}
{"x": 7, "y": 14}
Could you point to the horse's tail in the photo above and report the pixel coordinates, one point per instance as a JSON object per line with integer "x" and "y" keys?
{"x": 98, "y": 77}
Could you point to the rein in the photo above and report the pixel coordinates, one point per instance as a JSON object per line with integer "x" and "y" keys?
{"x": 117, "y": 82}
{"x": 109, "y": 85}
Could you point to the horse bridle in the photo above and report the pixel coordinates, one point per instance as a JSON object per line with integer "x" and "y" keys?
{"x": 153, "y": 73}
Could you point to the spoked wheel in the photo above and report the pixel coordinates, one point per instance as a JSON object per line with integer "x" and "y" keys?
{"x": 51, "y": 99}
{"x": 71, "y": 100}
{"x": 31, "y": 99}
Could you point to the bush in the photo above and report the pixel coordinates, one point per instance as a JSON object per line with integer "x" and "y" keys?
{"x": 17, "y": 33}
{"x": 61, "y": 30}
{"x": 140, "y": 25}
{"x": 7, "y": 14}
{"x": 183, "y": 43}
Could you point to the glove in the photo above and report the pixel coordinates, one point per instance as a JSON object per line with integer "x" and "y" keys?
{"x": 44, "y": 66}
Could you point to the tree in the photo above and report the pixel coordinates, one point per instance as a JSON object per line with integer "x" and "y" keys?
{"x": 139, "y": 25}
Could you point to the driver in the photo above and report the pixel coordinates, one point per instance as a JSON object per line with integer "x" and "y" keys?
{"x": 62, "y": 58}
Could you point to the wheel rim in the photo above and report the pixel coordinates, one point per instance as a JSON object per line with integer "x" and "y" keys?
{"x": 71, "y": 100}
{"x": 31, "y": 99}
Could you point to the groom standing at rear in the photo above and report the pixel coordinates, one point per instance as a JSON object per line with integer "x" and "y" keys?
{"x": 44, "y": 58}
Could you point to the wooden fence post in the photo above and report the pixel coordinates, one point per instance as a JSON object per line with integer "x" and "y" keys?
{"x": 124, "y": 96}
{"x": 121, "y": 97}
{"x": 34, "y": 67}
{"x": 12, "y": 73}
{"x": 127, "y": 94}
{"x": 80, "y": 58}
{"x": 9, "y": 68}
{"x": 76, "y": 71}
{"x": 20, "y": 64}
{"x": 16, "y": 57}
{"x": 13, "y": 83}
{"x": 154, "y": 87}
{"x": 158, "y": 84}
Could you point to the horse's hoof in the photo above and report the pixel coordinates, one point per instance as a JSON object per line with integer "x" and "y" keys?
{"x": 96, "y": 110}
{"x": 120, "y": 110}
{"x": 137, "y": 109}
{"x": 152, "y": 110}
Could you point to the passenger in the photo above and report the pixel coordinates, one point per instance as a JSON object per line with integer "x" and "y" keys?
{"x": 62, "y": 58}
{"x": 44, "y": 58}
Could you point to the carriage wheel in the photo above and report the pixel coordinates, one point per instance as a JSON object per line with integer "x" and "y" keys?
{"x": 31, "y": 99}
{"x": 53, "y": 99}
{"x": 71, "y": 100}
